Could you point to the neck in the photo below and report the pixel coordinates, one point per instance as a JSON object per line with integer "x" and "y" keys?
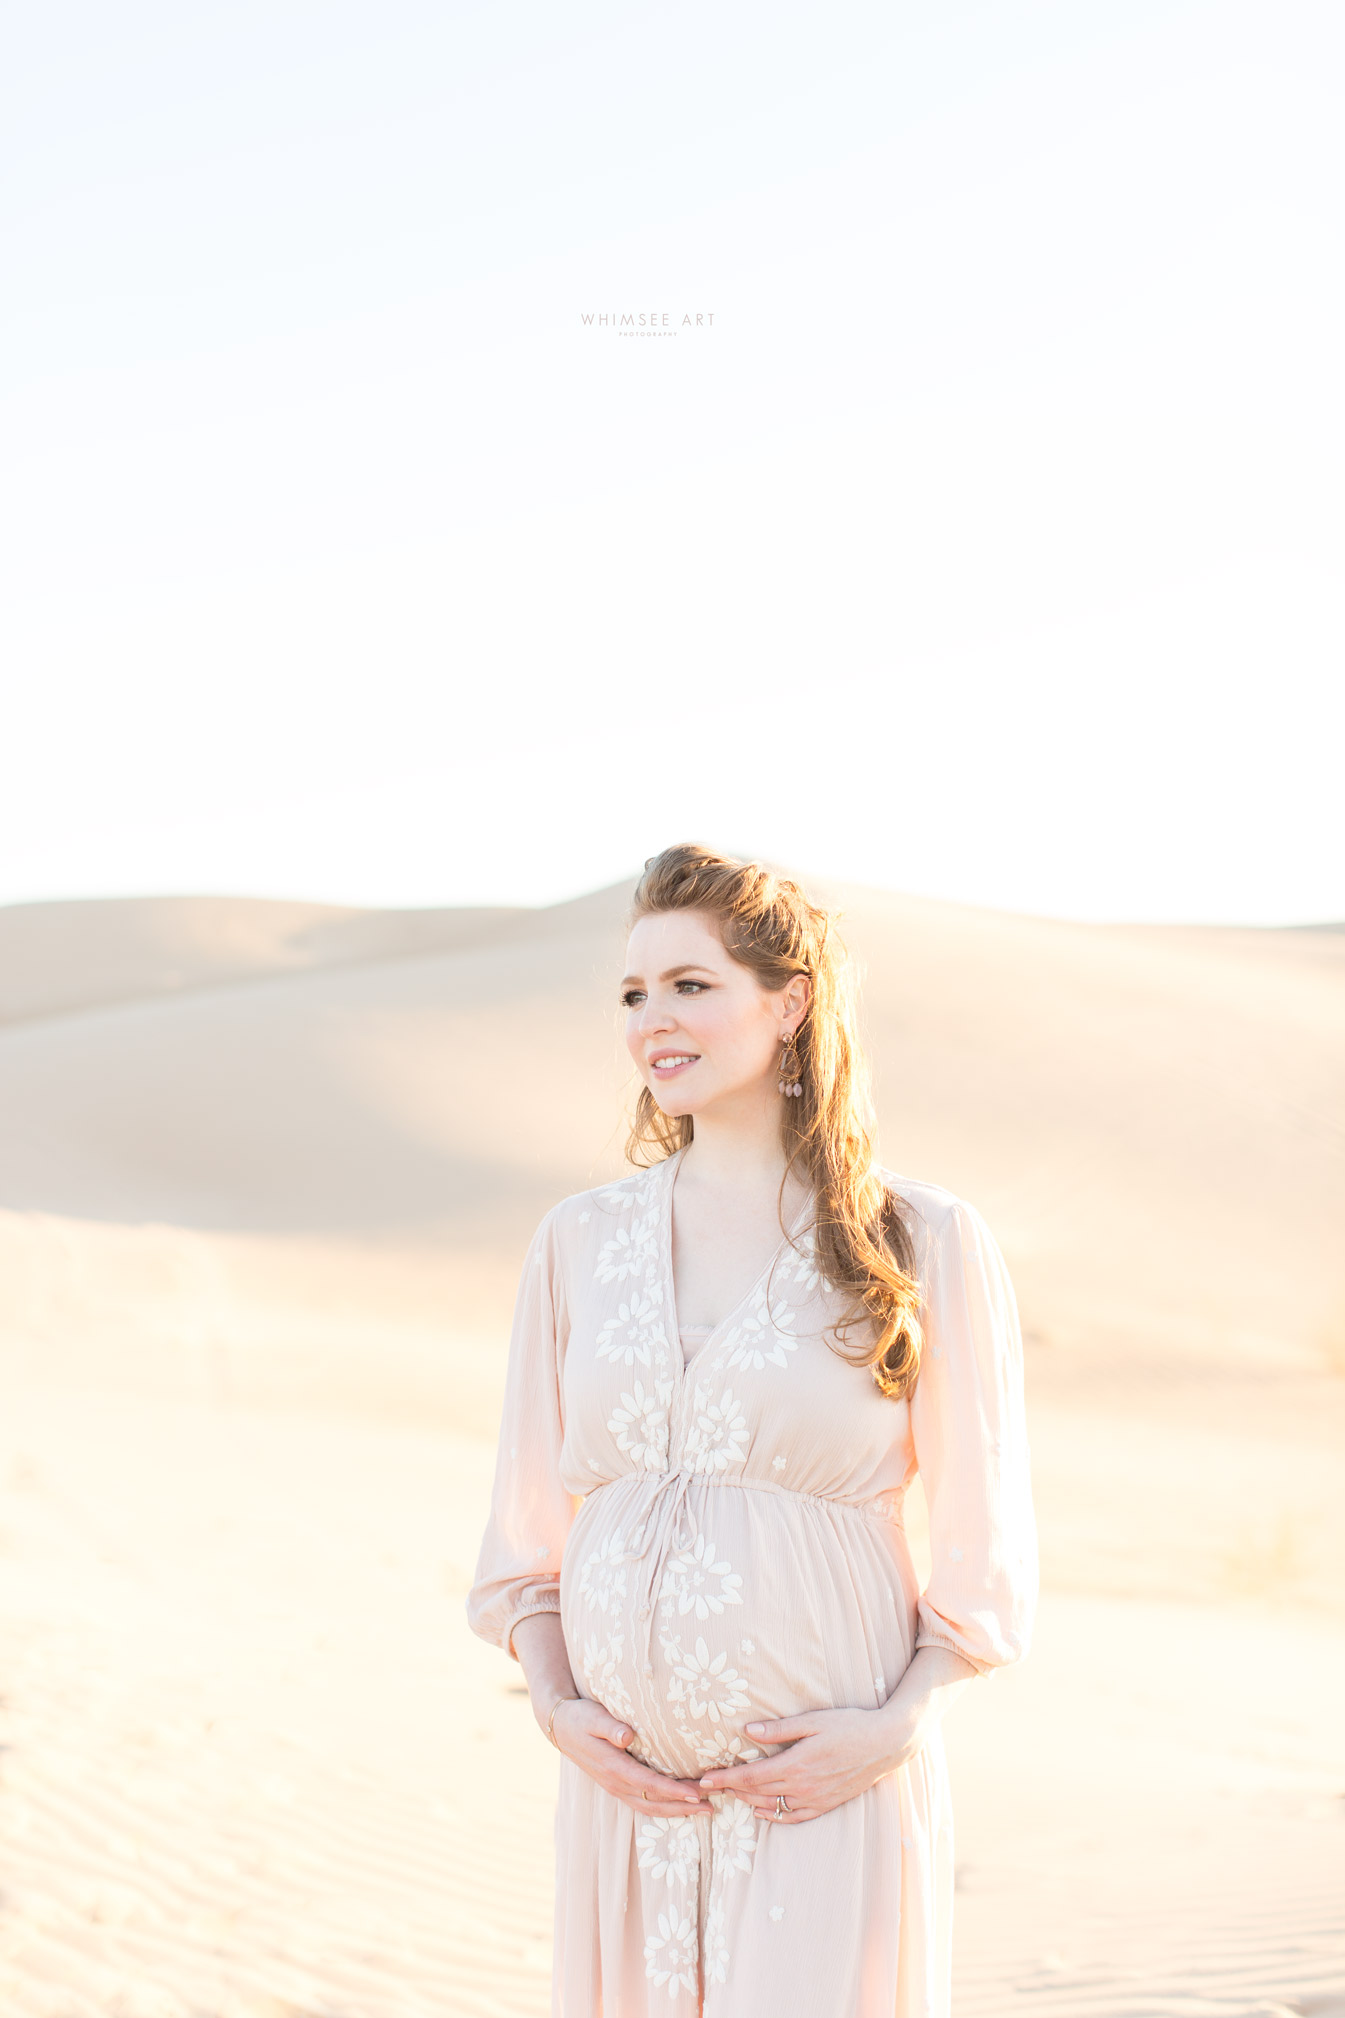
{"x": 738, "y": 1144}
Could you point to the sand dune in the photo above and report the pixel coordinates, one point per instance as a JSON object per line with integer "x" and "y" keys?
{"x": 266, "y": 1171}
{"x": 59, "y": 959}
{"x": 1154, "y": 1118}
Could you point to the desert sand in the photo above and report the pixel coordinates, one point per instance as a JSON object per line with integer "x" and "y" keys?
{"x": 266, "y": 1174}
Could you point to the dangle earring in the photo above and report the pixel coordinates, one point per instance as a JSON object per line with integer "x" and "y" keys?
{"x": 791, "y": 1072}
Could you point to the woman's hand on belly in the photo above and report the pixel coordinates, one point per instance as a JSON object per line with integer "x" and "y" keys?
{"x": 595, "y": 1740}
{"x": 587, "y": 1733}
{"x": 831, "y": 1756}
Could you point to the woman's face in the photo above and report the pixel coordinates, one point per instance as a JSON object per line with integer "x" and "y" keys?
{"x": 699, "y": 1025}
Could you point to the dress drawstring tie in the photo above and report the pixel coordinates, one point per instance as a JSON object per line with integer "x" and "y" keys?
{"x": 667, "y": 1528}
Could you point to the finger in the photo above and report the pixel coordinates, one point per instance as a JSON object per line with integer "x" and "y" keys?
{"x": 593, "y": 1720}
{"x": 667, "y": 1783}
{"x": 614, "y": 1733}
{"x": 745, "y": 1780}
{"x": 632, "y": 1772}
{"x": 781, "y": 1730}
{"x": 790, "y": 1814}
{"x": 679, "y": 1794}
{"x": 663, "y": 1809}
{"x": 674, "y": 1790}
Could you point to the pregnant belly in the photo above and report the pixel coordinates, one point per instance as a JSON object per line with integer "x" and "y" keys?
{"x": 692, "y": 1607}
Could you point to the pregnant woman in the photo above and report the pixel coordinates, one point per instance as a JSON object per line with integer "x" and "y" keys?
{"x": 726, "y": 1372}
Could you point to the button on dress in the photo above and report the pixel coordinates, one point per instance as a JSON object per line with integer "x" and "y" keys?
{"x": 719, "y": 1526}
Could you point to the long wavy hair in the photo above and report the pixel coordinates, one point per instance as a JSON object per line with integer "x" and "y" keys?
{"x": 864, "y": 1246}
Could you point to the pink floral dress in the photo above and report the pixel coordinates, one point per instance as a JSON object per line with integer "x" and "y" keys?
{"x": 723, "y": 1540}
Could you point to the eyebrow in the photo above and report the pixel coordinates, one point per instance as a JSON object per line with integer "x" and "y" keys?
{"x": 670, "y": 973}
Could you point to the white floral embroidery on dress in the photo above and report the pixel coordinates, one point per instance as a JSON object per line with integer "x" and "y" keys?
{"x": 760, "y": 1337}
{"x": 695, "y": 1582}
{"x": 718, "y": 1434}
{"x": 602, "y": 1665}
{"x": 670, "y": 1955}
{"x": 627, "y": 1191}
{"x": 707, "y": 1685}
{"x": 715, "y": 1955}
{"x": 670, "y": 1849}
{"x": 734, "y": 1835}
{"x": 806, "y": 1272}
{"x": 733, "y": 1843}
{"x": 640, "y": 1426}
{"x": 602, "y": 1580}
{"x": 636, "y": 1329}
{"x": 629, "y": 1251}
{"x": 707, "y": 1747}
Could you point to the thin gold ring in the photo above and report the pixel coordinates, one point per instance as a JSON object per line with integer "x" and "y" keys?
{"x": 644, "y": 1793}
{"x": 781, "y": 1807}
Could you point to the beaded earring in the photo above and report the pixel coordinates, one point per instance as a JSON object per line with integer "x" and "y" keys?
{"x": 791, "y": 1071}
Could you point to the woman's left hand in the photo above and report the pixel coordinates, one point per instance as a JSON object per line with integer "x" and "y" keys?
{"x": 829, "y": 1757}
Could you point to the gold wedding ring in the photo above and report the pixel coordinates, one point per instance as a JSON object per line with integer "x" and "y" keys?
{"x": 781, "y": 1807}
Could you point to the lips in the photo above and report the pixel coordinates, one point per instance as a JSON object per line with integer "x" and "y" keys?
{"x": 667, "y": 1064}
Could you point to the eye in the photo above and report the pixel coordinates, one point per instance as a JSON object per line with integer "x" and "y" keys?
{"x": 695, "y": 987}
{"x": 632, "y": 997}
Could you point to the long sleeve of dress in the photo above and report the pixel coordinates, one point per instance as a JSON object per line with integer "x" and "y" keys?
{"x": 518, "y": 1572}
{"x": 970, "y": 1437}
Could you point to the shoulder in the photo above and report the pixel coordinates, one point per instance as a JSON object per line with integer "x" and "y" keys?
{"x": 937, "y": 1219}
{"x": 934, "y": 1201}
{"x": 592, "y": 1216}
{"x": 927, "y": 1205}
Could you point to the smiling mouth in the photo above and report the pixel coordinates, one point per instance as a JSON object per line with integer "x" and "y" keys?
{"x": 671, "y": 1062}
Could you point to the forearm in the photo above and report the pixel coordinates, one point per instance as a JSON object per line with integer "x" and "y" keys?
{"x": 539, "y": 1642}
{"x": 931, "y": 1684}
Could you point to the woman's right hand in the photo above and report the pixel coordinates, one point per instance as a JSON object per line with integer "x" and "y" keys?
{"x": 597, "y": 1741}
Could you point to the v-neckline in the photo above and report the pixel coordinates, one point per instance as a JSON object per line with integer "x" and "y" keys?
{"x": 672, "y": 1166}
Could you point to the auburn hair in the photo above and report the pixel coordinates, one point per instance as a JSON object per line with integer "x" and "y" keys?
{"x": 864, "y": 1246}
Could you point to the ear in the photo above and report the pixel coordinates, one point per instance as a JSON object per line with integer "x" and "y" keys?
{"x": 797, "y": 995}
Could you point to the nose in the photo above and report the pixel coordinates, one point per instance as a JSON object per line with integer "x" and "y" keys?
{"x": 655, "y": 1018}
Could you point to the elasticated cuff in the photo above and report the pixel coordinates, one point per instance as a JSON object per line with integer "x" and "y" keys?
{"x": 942, "y": 1640}
{"x": 542, "y": 1601}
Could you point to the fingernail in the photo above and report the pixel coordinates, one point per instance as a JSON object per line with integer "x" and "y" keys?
{"x": 753, "y": 1730}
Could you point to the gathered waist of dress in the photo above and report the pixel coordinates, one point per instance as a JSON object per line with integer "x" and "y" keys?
{"x": 887, "y": 1508}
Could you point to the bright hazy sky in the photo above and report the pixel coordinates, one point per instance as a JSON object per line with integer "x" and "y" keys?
{"x": 988, "y": 545}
